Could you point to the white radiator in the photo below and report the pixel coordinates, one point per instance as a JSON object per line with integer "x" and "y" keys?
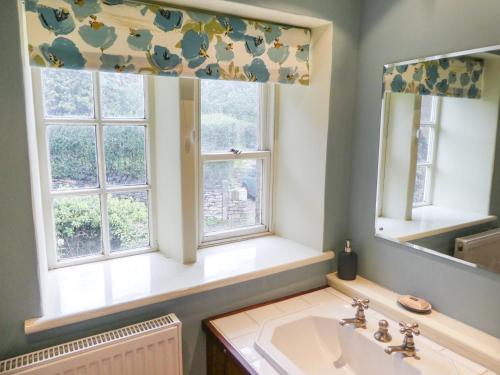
{"x": 481, "y": 248}
{"x": 148, "y": 348}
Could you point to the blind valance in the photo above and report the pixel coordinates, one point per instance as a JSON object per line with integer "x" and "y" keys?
{"x": 460, "y": 77}
{"x": 137, "y": 37}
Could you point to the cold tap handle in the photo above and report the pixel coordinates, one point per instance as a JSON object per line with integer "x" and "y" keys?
{"x": 409, "y": 329}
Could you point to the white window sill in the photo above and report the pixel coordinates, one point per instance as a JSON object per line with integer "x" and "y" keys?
{"x": 428, "y": 221}
{"x": 87, "y": 291}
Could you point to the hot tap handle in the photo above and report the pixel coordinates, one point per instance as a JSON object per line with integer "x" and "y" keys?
{"x": 409, "y": 329}
{"x": 360, "y": 303}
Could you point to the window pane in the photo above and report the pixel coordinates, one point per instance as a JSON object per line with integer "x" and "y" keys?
{"x": 421, "y": 181}
{"x": 122, "y": 95}
{"x": 427, "y": 109}
{"x": 229, "y": 115}
{"x": 128, "y": 220}
{"x": 78, "y": 226}
{"x": 424, "y": 152}
{"x": 68, "y": 93}
{"x": 125, "y": 153}
{"x": 72, "y": 156}
{"x": 232, "y": 194}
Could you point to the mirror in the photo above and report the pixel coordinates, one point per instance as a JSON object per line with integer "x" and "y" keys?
{"x": 439, "y": 159}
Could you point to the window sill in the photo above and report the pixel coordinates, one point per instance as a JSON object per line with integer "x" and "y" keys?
{"x": 87, "y": 291}
{"x": 428, "y": 221}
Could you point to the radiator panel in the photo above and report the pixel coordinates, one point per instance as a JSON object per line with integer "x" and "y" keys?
{"x": 148, "y": 348}
{"x": 481, "y": 248}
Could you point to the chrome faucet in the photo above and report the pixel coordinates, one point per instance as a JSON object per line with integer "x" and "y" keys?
{"x": 360, "y": 320}
{"x": 408, "y": 346}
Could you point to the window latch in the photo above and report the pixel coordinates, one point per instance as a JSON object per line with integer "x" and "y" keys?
{"x": 235, "y": 151}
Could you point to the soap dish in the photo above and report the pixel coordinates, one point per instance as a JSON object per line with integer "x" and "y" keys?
{"x": 415, "y": 304}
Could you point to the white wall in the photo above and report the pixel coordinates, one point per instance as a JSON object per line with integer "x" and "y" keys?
{"x": 400, "y": 123}
{"x": 173, "y": 146}
{"x": 189, "y": 168}
{"x": 166, "y": 164}
{"x": 466, "y": 147}
{"x": 300, "y": 167}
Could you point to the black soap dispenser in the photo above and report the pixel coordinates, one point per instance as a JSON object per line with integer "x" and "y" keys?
{"x": 347, "y": 263}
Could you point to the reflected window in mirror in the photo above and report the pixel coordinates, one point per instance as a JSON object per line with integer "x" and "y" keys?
{"x": 426, "y": 146}
{"x": 439, "y": 161}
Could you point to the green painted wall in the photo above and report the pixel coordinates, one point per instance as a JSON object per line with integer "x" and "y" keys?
{"x": 399, "y": 30}
{"x": 391, "y": 30}
{"x": 19, "y": 289}
{"x": 19, "y": 292}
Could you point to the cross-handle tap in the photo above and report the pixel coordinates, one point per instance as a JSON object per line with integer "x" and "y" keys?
{"x": 360, "y": 320}
{"x": 408, "y": 346}
{"x": 360, "y": 303}
{"x": 409, "y": 329}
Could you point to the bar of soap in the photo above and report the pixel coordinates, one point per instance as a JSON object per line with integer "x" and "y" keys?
{"x": 415, "y": 304}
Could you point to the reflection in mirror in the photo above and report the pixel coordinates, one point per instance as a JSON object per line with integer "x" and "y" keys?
{"x": 439, "y": 163}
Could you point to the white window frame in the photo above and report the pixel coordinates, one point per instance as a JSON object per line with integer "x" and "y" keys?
{"x": 103, "y": 189}
{"x": 433, "y": 124}
{"x": 265, "y": 153}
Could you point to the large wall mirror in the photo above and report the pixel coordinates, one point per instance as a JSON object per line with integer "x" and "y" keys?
{"x": 439, "y": 160}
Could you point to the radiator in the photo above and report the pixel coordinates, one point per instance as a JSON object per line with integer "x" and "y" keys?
{"x": 481, "y": 248}
{"x": 152, "y": 347}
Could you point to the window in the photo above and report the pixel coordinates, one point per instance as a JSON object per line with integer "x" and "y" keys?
{"x": 426, "y": 142}
{"x": 235, "y": 159}
{"x": 93, "y": 140}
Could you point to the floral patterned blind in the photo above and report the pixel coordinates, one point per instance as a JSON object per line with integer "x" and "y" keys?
{"x": 135, "y": 37}
{"x": 457, "y": 77}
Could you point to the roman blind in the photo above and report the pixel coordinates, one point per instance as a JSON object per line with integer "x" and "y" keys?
{"x": 146, "y": 38}
{"x": 460, "y": 77}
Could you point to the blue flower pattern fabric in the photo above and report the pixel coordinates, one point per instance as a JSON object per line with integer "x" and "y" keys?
{"x": 84, "y": 8}
{"x": 279, "y": 53}
{"x": 97, "y": 34}
{"x": 62, "y": 53}
{"x": 288, "y": 75}
{"x": 164, "y": 60}
{"x": 234, "y": 27}
{"x": 211, "y": 71}
{"x": 31, "y": 5}
{"x": 256, "y": 71}
{"x": 57, "y": 20}
{"x": 271, "y": 32}
{"x": 302, "y": 53}
{"x": 255, "y": 45}
{"x": 456, "y": 77}
{"x": 168, "y": 20}
{"x": 195, "y": 48}
{"x": 146, "y": 38}
{"x": 140, "y": 40}
{"x": 117, "y": 63}
{"x": 112, "y": 2}
{"x": 224, "y": 51}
